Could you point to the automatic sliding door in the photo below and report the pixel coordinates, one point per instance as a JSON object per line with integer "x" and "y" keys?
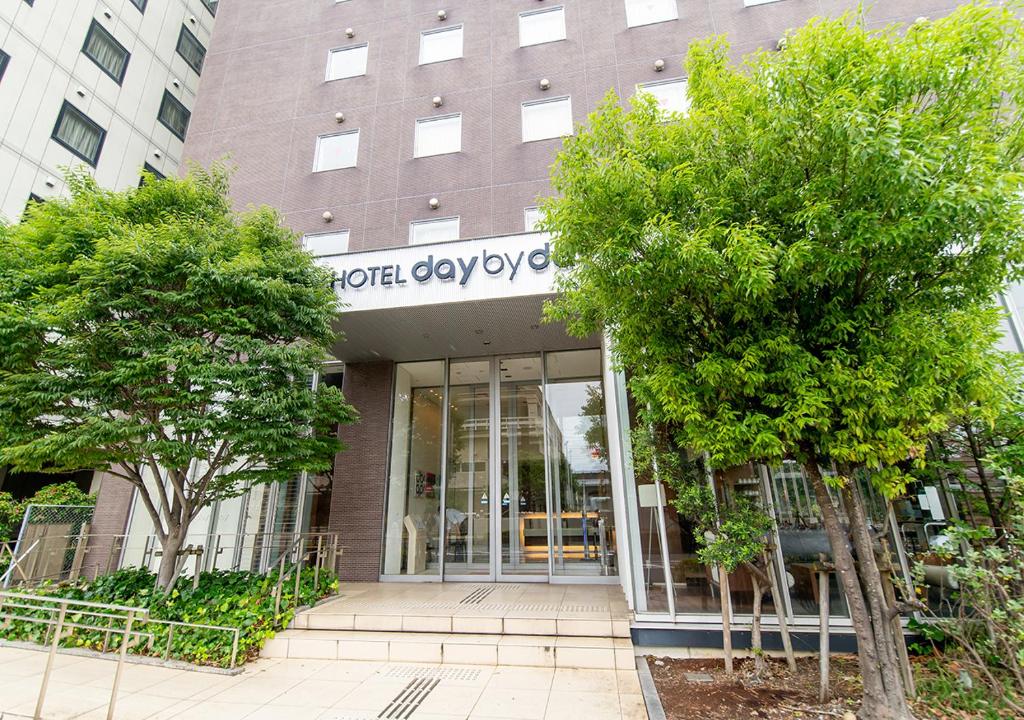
{"x": 468, "y": 495}
{"x": 523, "y": 524}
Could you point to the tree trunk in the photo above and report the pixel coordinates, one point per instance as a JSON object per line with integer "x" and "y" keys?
{"x": 723, "y": 584}
{"x": 774, "y": 573}
{"x": 871, "y": 581}
{"x": 878, "y": 703}
{"x": 167, "y": 573}
{"x": 755, "y": 628}
{"x": 990, "y": 502}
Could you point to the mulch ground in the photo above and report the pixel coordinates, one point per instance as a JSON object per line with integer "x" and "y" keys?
{"x": 776, "y": 694}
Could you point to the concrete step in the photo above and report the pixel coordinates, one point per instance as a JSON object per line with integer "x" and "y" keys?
{"x": 543, "y": 624}
{"x": 604, "y": 653}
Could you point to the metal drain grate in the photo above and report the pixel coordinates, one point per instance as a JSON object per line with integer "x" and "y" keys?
{"x": 439, "y": 673}
{"x": 409, "y": 699}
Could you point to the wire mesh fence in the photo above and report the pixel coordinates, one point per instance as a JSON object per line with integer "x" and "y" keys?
{"x": 50, "y": 545}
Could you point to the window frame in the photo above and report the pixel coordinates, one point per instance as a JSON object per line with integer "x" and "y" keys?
{"x": 526, "y": 218}
{"x": 344, "y": 48}
{"x": 675, "y": 7}
{"x": 543, "y": 11}
{"x": 96, "y": 26}
{"x": 531, "y": 103}
{"x": 68, "y": 107}
{"x": 4, "y": 60}
{"x": 177, "y": 48}
{"x": 346, "y": 232}
{"x": 439, "y": 31}
{"x": 435, "y": 221}
{"x": 316, "y": 151}
{"x": 211, "y": 6}
{"x": 426, "y": 121}
{"x": 159, "y": 114}
{"x": 684, "y": 81}
{"x": 146, "y": 167}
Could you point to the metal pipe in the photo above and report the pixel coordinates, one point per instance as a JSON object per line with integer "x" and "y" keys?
{"x": 234, "y": 650}
{"x": 49, "y": 661}
{"x": 120, "y": 664}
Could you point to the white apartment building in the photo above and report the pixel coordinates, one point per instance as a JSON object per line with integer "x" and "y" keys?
{"x": 104, "y": 84}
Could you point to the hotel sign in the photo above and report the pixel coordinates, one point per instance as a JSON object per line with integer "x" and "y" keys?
{"x": 458, "y": 271}
{"x": 446, "y": 266}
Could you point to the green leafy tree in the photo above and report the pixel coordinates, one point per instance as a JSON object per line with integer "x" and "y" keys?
{"x": 156, "y": 335}
{"x": 804, "y": 265}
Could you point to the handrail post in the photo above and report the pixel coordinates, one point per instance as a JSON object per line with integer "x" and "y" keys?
{"x": 280, "y": 582}
{"x": 316, "y": 566}
{"x": 298, "y": 577}
{"x": 49, "y": 661}
{"x": 234, "y": 650}
{"x": 120, "y": 664}
{"x": 170, "y": 639}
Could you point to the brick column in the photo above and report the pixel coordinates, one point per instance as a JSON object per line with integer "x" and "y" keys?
{"x": 110, "y": 519}
{"x": 360, "y": 472}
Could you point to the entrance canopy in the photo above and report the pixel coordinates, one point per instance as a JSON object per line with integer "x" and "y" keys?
{"x": 454, "y": 299}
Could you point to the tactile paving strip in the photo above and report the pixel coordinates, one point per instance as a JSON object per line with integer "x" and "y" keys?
{"x": 408, "y": 700}
{"x": 464, "y": 674}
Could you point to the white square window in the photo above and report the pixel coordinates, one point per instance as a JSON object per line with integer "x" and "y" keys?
{"x": 333, "y": 152}
{"x": 326, "y": 244}
{"x": 432, "y": 231}
{"x": 440, "y": 45}
{"x": 531, "y": 217}
{"x": 647, "y": 12}
{"x": 347, "y": 62}
{"x": 541, "y": 26}
{"x": 671, "y": 95}
{"x": 438, "y": 136}
{"x": 543, "y": 119}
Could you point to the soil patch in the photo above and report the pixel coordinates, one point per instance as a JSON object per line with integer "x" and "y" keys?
{"x": 776, "y": 694}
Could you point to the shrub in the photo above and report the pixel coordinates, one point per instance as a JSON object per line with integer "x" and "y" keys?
{"x": 987, "y": 629}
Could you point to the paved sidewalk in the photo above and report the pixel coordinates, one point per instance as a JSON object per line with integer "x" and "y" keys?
{"x": 273, "y": 689}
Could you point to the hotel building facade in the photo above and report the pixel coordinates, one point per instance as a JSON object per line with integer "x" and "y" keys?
{"x": 410, "y": 143}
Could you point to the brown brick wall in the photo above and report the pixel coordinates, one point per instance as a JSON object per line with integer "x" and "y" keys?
{"x": 263, "y": 98}
{"x": 109, "y": 520}
{"x": 360, "y": 473}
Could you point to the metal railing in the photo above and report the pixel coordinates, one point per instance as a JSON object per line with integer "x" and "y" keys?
{"x": 16, "y": 563}
{"x": 63, "y": 616}
{"x": 24, "y": 608}
{"x": 102, "y": 554}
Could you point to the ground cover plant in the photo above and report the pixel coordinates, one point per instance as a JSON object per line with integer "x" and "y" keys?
{"x": 242, "y": 600}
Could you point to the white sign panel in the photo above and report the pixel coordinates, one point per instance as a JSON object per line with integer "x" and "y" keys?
{"x": 458, "y": 271}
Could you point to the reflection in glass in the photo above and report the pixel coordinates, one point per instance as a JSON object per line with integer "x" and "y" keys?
{"x": 414, "y": 485}
{"x": 524, "y": 519}
{"x": 583, "y": 519}
{"x": 468, "y": 498}
{"x": 802, "y": 539}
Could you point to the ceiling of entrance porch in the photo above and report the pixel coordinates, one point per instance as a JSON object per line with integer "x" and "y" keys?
{"x": 502, "y": 326}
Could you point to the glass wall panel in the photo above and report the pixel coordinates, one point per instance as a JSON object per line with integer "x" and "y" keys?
{"x": 468, "y": 496}
{"x": 731, "y": 485}
{"x": 524, "y": 517}
{"x": 802, "y": 539}
{"x": 582, "y": 514}
{"x": 414, "y": 486}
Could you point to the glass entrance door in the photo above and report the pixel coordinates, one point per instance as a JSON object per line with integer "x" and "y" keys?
{"x": 523, "y": 525}
{"x": 469, "y": 494}
{"x": 524, "y": 491}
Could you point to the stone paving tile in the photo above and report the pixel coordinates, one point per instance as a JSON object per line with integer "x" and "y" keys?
{"x": 321, "y": 690}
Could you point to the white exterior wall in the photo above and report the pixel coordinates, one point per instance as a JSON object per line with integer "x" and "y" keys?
{"x": 47, "y": 66}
